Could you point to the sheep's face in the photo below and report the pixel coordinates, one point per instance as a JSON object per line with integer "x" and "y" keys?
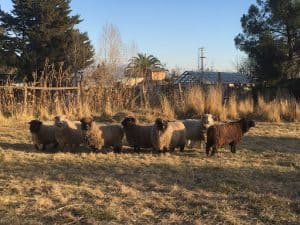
{"x": 128, "y": 121}
{"x": 86, "y": 123}
{"x": 59, "y": 121}
{"x": 208, "y": 120}
{"x": 247, "y": 124}
{"x": 161, "y": 124}
{"x": 35, "y": 126}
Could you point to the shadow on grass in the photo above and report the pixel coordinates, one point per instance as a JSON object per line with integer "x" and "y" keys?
{"x": 251, "y": 187}
{"x": 266, "y": 143}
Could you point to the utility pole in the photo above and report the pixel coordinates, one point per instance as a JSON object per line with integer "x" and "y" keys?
{"x": 201, "y": 58}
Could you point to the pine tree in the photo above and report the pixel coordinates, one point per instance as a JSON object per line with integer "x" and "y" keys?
{"x": 271, "y": 38}
{"x": 44, "y": 30}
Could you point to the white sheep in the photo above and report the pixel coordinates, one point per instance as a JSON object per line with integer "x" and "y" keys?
{"x": 196, "y": 128}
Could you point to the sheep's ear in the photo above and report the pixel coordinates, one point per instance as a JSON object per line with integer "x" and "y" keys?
{"x": 132, "y": 120}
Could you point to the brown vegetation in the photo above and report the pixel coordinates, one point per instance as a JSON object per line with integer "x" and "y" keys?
{"x": 258, "y": 185}
{"x": 48, "y": 97}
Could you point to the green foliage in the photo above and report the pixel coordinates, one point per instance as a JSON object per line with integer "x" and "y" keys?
{"x": 140, "y": 65}
{"x": 271, "y": 38}
{"x": 43, "y": 30}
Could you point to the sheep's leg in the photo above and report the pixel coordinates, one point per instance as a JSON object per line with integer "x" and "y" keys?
{"x": 172, "y": 149}
{"x": 232, "y": 147}
{"x": 214, "y": 151}
{"x": 36, "y": 147}
{"x": 55, "y": 145}
{"x": 136, "y": 148}
{"x": 43, "y": 147}
{"x": 207, "y": 149}
{"x": 117, "y": 149}
{"x": 182, "y": 147}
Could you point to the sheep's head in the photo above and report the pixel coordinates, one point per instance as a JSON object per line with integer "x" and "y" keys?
{"x": 247, "y": 124}
{"x": 60, "y": 121}
{"x": 161, "y": 124}
{"x": 207, "y": 120}
{"x": 35, "y": 126}
{"x": 86, "y": 123}
{"x": 128, "y": 121}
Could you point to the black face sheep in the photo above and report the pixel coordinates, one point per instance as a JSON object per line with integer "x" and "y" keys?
{"x": 137, "y": 135}
{"x": 168, "y": 135}
{"x": 41, "y": 134}
{"x": 228, "y": 133}
{"x": 105, "y": 135}
{"x": 196, "y": 128}
{"x": 67, "y": 133}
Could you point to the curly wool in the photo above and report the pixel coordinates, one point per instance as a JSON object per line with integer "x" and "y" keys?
{"x": 137, "y": 135}
{"x": 168, "y": 135}
{"x": 43, "y": 135}
{"x": 66, "y": 133}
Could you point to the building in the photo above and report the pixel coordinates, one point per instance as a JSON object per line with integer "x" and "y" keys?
{"x": 225, "y": 78}
{"x": 158, "y": 74}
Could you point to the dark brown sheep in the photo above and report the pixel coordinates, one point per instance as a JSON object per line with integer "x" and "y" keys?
{"x": 228, "y": 133}
{"x": 41, "y": 134}
{"x": 137, "y": 135}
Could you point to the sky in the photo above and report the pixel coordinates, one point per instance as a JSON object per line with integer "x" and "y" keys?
{"x": 171, "y": 30}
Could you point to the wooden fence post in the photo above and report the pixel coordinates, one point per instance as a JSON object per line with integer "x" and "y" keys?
{"x": 79, "y": 94}
{"x": 25, "y": 96}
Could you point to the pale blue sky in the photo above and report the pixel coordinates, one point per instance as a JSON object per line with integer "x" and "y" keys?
{"x": 171, "y": 30}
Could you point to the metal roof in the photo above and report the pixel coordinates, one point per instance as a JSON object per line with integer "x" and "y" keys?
{"x": 212, "y": 78}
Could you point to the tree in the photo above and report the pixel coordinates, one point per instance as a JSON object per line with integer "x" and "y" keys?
{"x": 7, "y": 58}
{"x": 111, "y": 49}
{"x": 140, "y": 65}
{"x": 270, "y": 37}
{"x": 43, "y": 30}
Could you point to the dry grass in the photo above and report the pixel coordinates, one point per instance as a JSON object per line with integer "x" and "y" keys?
{"x": 258, "y": 185}
{"x": 104, "y": 100}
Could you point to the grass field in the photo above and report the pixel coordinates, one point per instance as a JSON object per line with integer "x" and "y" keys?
{"x": 258, "y": 185}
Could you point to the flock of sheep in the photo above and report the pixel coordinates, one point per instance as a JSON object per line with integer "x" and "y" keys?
{"x": 161, "y": 136}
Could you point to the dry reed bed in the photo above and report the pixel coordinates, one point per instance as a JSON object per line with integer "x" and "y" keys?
{"x": 192, "y": 102}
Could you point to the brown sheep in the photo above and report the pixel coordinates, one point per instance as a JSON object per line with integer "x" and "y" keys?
{"x": 98, "y": 136}
{"x": 137, "y": 135}
{"x": 91, "y": 133}
{"x": 42, "y": 134}
{"x": 168, "y": 135}
{"x": 67, "y": 133}
{"x": 228, "y": 133}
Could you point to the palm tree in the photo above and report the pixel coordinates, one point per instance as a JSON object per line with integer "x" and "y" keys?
{"x": 140, "y": 65}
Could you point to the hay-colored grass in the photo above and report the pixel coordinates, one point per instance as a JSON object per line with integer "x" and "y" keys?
{"x": 258, "y": 185}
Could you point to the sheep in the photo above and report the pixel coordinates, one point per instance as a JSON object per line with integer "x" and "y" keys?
{"x": 227, "y": 133}
{"x": 42, "y": 134}
{"x": 67, "y": 133}
{"x": 137, "y": 135}
{"x": 196, "y": 128}
{"x": 98, "y": 136}
{"x": 168, "y": 135}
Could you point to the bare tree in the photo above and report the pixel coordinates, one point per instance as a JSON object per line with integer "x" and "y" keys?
{"x": 111, "y": 49}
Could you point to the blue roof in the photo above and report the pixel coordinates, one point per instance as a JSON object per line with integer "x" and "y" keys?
{"x": 212, "y": 78}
